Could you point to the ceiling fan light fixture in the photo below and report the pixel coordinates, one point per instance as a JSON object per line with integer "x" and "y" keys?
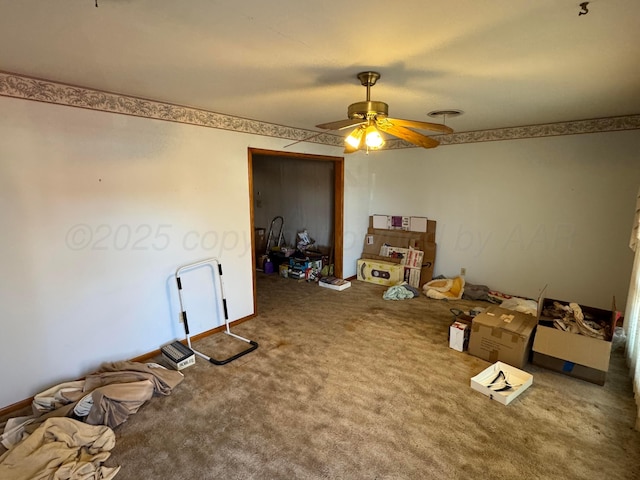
{"x": 355, "y": 138}
{"x": 373, "y": 138}
{"x": 370, "y": 120}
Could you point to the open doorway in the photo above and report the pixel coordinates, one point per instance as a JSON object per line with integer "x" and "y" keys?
{"x": 310, "y": 188}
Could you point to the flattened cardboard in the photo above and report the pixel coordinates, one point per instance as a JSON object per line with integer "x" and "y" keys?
{"x": 419, "y": 224}
{"x": 399, "y": 222}
{"x": 426, "y": 275}
{"x": 422, "y": 241}
{"x": 382, "y": 223}
{"x": 376, "y": 239}
{"x": 499, "y": 334}
{"x": 395, "y": 222}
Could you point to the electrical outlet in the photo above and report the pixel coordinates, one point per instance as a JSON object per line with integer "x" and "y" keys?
{"x": 463, "y": 271}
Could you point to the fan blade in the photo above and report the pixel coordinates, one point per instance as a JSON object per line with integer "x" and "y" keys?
{"x": 349, "y": 149}
{"x": 342, "y": 124}
{"x": 434, "y": 127}
{"x": 408, "y": 135}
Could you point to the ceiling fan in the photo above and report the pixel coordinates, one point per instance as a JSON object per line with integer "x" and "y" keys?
{"x": 371, "y": 117}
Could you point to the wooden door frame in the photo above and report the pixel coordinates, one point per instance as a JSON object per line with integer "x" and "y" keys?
{"x": 338, "y": 205}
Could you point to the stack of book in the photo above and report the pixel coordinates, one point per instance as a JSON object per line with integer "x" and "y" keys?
{"x": 334, "y": 283}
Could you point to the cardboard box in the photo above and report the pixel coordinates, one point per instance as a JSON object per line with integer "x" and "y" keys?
{"x": 498, "y": 334}
{"x": 574, "y": 354}
{"x": 426, "y": 272}
{"x": 260, "y": 245}
{"x": 375, "y": 240}
{"x": 303, "y": 264}
{"x": 414, "y": 224}
{"x": 283, "y": 270}
{"x": 414, "y": 259}
{"x": 395, "y": 253}
{"x": 418, "y": 224}
{"x": 569, "y": 368}
{"x": 408, "y": 257}
{"x": 399, "y": 222}
{"x": 459, "y": 336}
{"x": 519, "y": 381}
{"x": 379, "y": 272}
{"x": 396, "y": 222}
{"x": 178, "y": 355}
{"x": 462, "y": 317}
{"x": 382, "y": 222}
{"x": 412, "y": 276}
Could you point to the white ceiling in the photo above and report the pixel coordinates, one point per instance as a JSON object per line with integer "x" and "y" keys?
{"x": 293, "y": 62}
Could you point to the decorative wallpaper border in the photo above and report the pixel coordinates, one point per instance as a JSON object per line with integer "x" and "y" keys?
{"x": 28, "y": 88}
{"x": 610, "y": 124}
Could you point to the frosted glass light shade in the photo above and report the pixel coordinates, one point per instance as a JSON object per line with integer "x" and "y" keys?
{"x": 373, "y": 139}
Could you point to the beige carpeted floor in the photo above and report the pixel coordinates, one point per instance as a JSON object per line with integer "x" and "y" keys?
{"x": 346, "y": 385}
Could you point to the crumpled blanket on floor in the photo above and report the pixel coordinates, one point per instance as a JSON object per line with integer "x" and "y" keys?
{"x": 57, "y": 396}
{"x": 475, "y": 292}
{"x": 402, "y": 291}
{"x": 106, "y": 397}
{"x": 163, "y": 379}
{"x": 445, "y": 288}
{"x": 61, "y": 449}
{"x": 113, "y": 404}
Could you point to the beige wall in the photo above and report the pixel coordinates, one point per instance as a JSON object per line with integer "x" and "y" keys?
{"x": 522, "y": 214}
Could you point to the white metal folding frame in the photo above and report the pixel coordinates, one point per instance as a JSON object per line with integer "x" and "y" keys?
{"x": 212, "y": 263}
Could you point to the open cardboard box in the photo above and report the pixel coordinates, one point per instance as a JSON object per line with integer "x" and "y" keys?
{"x": 519, "y": 379}
{"x": 574, "y": 354}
